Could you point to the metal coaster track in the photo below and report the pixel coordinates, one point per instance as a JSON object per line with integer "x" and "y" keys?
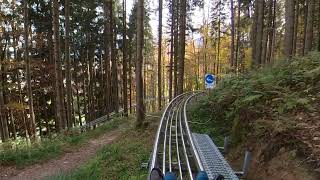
{"x": 174, "y": 150}
{"x": 184, "y": 155}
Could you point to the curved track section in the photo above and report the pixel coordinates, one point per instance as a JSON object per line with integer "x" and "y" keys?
{"x": 174, "y": 150}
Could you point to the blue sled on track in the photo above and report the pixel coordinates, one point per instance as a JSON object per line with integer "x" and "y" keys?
{"x": 156, "y": 174}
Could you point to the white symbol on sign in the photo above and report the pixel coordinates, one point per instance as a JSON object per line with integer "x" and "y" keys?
{"x": 210, "y": 81}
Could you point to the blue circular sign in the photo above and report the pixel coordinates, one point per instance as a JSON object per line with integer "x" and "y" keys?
{"x": 210, "y": 78}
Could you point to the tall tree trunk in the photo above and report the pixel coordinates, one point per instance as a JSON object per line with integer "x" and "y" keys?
{"x": 17, "y": 76}
{"x": 309, "y": 27}
{"x": 130, "y": 76}
{"x": 125, "y": 61}
{"x": 13, "y": 124}
{"x": 3, "y": 119}
{"x": 289, "y": 27}
{"x": 205, "y": 43}
{"x": 176, "y": 43}
{"x": 182, "y": 41}
{"x": 159, "y": 55}
{"x": 254, "y": 30}
{"x": 28, "y": 69}
{"x": 145, "y": 76}
{"x": 266, "y": 33}
{"x": 77, "y": 83}
{"x": 68, "y": 61}
{"x": 51, "y": 60}
{"x": 296, "y": 28}
{"x": 114, "y": 68}
{"x": 319, "y": 27}
{"x": 85, "y": 92}
{"x": 107, "y": 49}
{"x": 62, "y": 97}
{"x": 153, "y": 91}
{"x": 232, "y": 37}
{"x": 91, "y": 80}
{"x": 197, "y": 68}
{"x": 139, "y": 62}
{"x": 218, "y": 46}
{"x": 94, "y": 82}
{"x": 238, "y": 35}
{"x": 271, "y": 32}
{"x": 101, "y": 93}
{"x": 57, "y": 65}
{"x": 305, "y": 22}
{"x": 171, "y": 55}
{"x": 164, "y": 87}
{"x": 260, "y": 22}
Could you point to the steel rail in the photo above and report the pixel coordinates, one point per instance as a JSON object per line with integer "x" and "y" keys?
{"x": 170, "y": 141}
{"x": 165, "y": 140}
{"x": 184, "y": 146}
{"x": 177, "y": 145}
{"x": 167, "y": 152}
{"x": 194, "y": 150}
{"x": 175, "y": 113}
{"x": 156, "y": 143}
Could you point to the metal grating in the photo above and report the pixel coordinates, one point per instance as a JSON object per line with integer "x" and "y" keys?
{"x": 211, "y": 158}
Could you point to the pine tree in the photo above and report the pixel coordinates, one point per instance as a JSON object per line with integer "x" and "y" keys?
{"x": 159, "y": 55}
{"x": 182, "y": 42}
{"x": 232, "y": 60}
{"x": 68, "y": 62}
{"x": 57, "y": 65}
{"x": 28, "y": 70}
{"x": 309, "y": 26}
{"x": 289, "y": 27}
{"x": 140, "y": 109}
{"x": 125, "y": 60}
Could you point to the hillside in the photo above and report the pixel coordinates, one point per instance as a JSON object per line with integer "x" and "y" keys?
{"x": 274, "y": 112}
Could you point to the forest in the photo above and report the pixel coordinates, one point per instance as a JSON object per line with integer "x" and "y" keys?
{"x": 66, "y": 63}
{"x": 72, "y": 61}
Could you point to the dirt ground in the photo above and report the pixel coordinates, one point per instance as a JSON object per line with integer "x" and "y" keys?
{"x": 69, "y": 161}
{"x": 285, "y": 165}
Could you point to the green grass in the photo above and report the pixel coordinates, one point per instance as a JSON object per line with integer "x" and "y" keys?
{"x": 26, "y": 154}
{"x": 261, "y": 103}
{"x": 119, "y": 160}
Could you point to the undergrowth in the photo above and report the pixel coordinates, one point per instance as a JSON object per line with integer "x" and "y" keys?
{"x": 47, "y": 148}
{"x": 278, "y": 105}
{"x": 120, "y": 160}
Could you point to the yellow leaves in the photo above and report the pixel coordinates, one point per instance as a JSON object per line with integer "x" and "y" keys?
{"x": 15, "y": 106}
{"x": 11, "y": 62}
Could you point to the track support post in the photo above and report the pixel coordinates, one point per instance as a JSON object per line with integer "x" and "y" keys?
{"x": 246, "y": 165}
{"x": 225, "y": 148}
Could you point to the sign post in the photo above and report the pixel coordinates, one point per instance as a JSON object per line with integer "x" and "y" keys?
{"x": 210, "y": 81}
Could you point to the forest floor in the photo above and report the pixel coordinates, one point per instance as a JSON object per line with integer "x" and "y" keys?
{"x": 121, "y": 159}
{"x": 61, "y": 154}
{"x": 116, "y": 154}
{"x": 67, "y": 162}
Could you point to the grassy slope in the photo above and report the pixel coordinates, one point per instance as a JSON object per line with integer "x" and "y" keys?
{"x": 119, "y": 160}
{"x": 50, "y": 148}
{"x": 274, "y": 108}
